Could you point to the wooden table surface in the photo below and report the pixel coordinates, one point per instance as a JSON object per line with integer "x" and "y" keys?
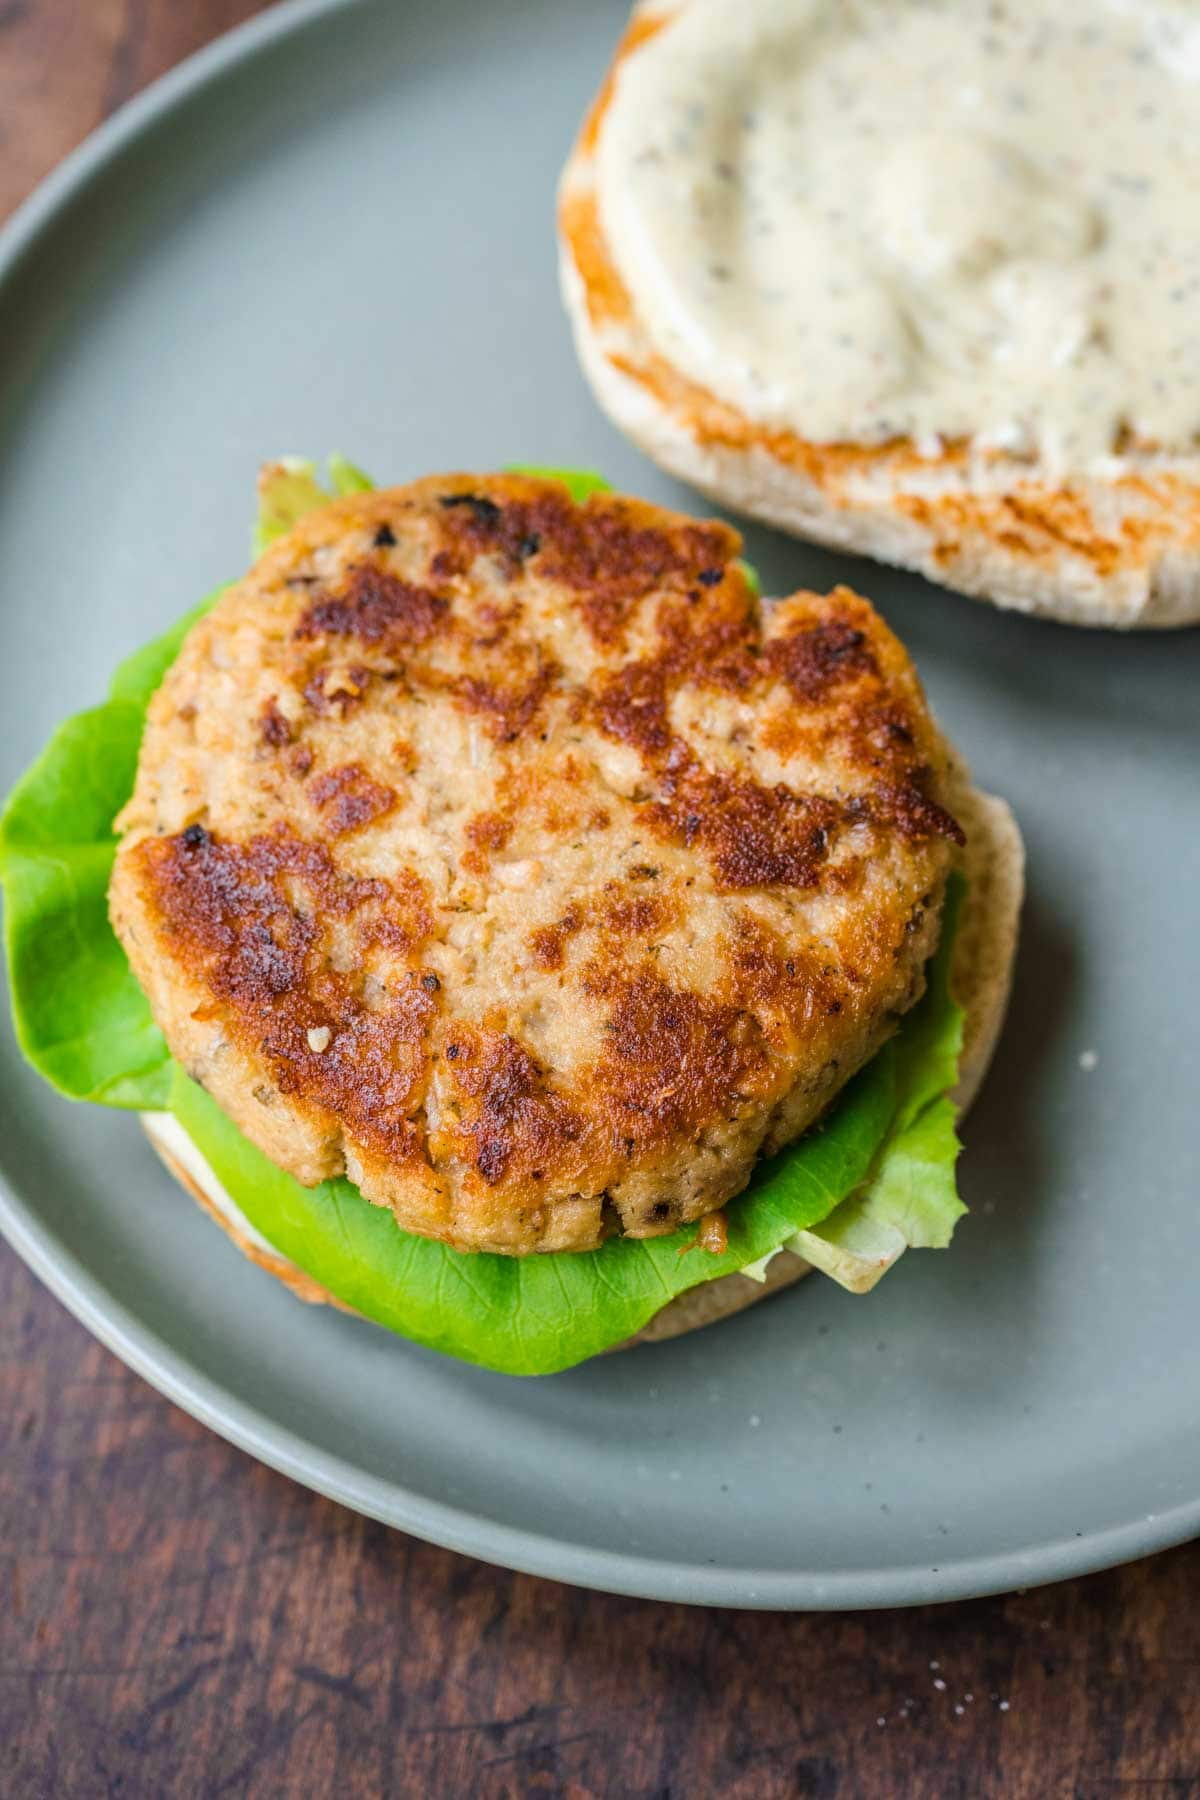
{"x": 177, "y": 1621}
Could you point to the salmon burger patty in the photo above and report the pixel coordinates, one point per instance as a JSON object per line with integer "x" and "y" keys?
{"x": 509, "y": 856}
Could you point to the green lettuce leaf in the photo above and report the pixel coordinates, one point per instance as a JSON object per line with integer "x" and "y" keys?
{"x": 81, "y": 1018}
{"x": 878, "y": 1174}
{"x": 535, "y": 1315}
{"x": 579, "y": 483}
{"x": 346, "y": 477}
{"x": 909, "y": 1200}
{"x": 290, "y": 488}
{"x": 529, "y": 1315}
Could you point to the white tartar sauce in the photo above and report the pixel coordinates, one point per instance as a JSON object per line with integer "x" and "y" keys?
{"x": 933, "y": 219}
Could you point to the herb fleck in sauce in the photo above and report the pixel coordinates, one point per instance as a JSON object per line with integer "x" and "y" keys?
{"x": 928, "y": 218}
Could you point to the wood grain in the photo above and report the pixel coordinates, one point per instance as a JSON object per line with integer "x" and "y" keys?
{"x": 66, "y": 64}
{"x": 177, "y": 1621}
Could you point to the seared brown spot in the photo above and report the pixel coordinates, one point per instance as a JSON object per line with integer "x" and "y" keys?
{"x": 376, "y": 607}
{"x": 489, "y": 830}
{"x": 478, "y": 508}
{"x": 632, "y": 706}
{"x": 913, "y": 813}
{"x": 756, "y": 836}
{"x": 405, "y": 923}
{"x": 713, "y": 647}
{"x": 784, "y": 981}
{"x": 486, "y": 833}
{"x": 274, "y": 729}
{"x": 493, "y": 624}
{"x": 512, "y": 1121}
{"x": 816, "y": 658}
{"x": 635, "y": 915}
{"x": 614, "y": 563}
{"x": 625, "y": 916}
{"x": 336, "y": 690}
{"x": 508, "y": 711}
{"x": 607, "y": 550}
{"x": 870, "y": 732}
{"x": 717, "y": 644}
{"x": 250, "y": 921}
{"x": 349, "y": 798}
{"x": 547, "y": 944}
{"x": 674, "y": 1060}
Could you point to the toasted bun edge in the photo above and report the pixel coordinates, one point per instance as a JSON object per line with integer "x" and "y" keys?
{"x": 1108, "y": 551}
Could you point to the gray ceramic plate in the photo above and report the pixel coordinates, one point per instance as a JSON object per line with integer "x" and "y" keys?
{"x": 334, "y": 230}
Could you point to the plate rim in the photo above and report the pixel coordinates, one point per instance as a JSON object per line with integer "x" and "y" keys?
{"x": 389, "y": 1501}
{"x": 535, "y": 1553}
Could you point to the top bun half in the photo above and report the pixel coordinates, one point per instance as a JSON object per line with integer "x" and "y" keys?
{"x": 1118, "y": 546}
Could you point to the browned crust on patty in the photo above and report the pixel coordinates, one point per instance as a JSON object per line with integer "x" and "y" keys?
{"x": 1112, "y": 534}
{"x": 543, "y": 902}
{"x": 983, "y": 959}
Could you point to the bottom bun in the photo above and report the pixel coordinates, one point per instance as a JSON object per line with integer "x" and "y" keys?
{"x": 984, "y": 952}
